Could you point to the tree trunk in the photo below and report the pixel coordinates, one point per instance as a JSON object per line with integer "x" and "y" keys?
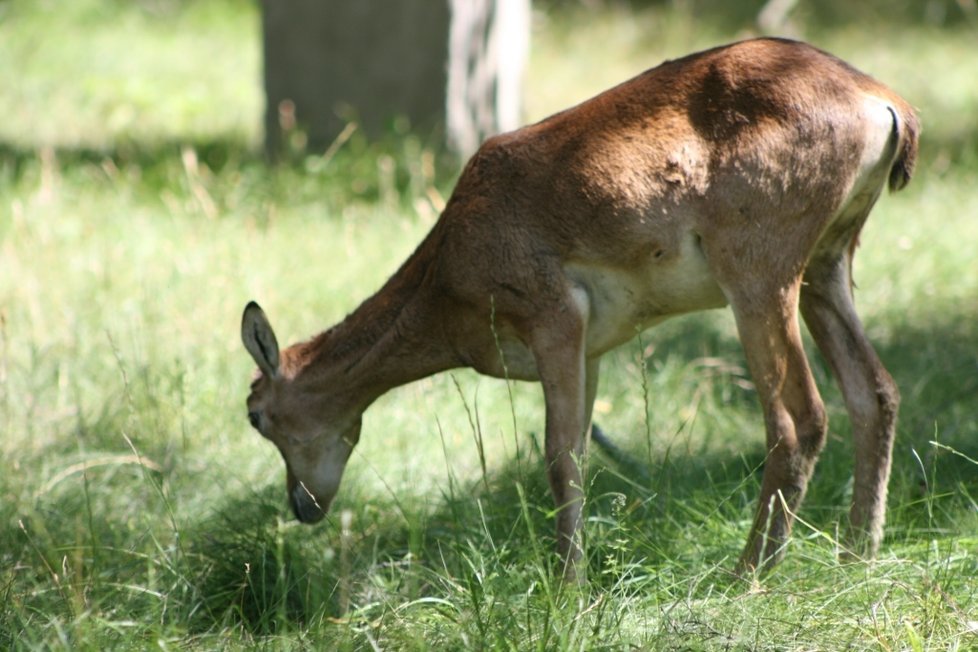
{"x": 490, "y": 42}
{"x": 453, "y": 65}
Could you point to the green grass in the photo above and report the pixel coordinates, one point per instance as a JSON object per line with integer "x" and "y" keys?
{"x": 138, "y": 510}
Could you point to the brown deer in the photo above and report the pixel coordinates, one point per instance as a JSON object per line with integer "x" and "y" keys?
{"x": 738, "y": 176}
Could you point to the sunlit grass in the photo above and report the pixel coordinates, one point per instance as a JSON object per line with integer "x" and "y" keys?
{"x": 138, "y": 510}
{"x": 93, "y": 73}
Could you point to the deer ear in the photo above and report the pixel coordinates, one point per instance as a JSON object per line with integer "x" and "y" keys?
{"x": 259, "y": 339}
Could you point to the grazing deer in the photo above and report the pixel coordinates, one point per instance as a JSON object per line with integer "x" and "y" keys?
{"x": 738, "y": 176}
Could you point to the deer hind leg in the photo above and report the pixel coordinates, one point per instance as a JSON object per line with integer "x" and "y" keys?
{"x": 870, "y": 394}
{"x": 794, "y": 415}
{"x": 569, "y": 384}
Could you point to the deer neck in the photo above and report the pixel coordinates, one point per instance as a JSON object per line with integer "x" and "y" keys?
{"x": 391, "y": 339}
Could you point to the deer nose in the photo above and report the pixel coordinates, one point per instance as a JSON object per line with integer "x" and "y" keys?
{"x": 254, "y": 418}
{"x": 305, "y": 506}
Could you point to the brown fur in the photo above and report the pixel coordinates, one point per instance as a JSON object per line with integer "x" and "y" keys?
{"x": 738, "y": 175}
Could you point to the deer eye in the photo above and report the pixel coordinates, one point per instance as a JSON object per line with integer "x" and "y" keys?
{"x": 255, "y": 419}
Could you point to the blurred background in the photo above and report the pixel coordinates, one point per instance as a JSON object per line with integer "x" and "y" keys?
{"x": 112, "y": 74}
{"x": 140, "y": 210}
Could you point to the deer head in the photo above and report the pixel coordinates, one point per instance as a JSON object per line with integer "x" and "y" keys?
{"x": 314, "y": 434}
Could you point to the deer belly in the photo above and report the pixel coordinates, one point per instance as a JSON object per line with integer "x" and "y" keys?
{"x": 623, "y": 302}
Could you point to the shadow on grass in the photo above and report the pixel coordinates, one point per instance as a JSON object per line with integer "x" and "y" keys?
{"x": 646, "y": 523}
{"x": 249, "y": 570}
{"x": 253, "y": 569}
{"x": 248, "y": 566}
{"x": 935, "y": 363}
{"x": 226, "y": 177}
{"x": 217, "y": 153}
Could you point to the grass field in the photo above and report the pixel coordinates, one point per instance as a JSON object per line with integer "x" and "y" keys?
{"x": 139, "y": 511}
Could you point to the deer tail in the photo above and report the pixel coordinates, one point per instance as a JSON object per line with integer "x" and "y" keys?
{"x": 907, "y": 128}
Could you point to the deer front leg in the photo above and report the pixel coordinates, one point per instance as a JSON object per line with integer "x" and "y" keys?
{"x": 568, "y": 383}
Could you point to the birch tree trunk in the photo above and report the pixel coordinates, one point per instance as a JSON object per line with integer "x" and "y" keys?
{"x": 489, "y": 46}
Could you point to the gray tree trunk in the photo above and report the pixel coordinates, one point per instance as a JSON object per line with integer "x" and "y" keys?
{"x": 443, "y": 64}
